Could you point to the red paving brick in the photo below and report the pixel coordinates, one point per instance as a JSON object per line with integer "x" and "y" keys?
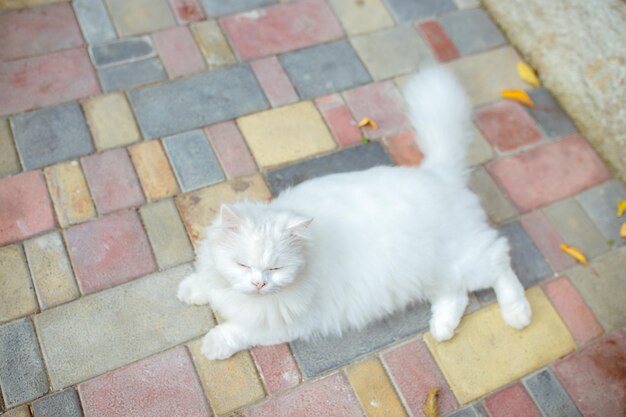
{"x": 507, "y": 126}
{"x": 38, "y": 30}
{"x": 163, "y": 385}
{"x": 339, "y": 119}
{"x": 277, "y": 367}
{"x": 112, "y": 181}
{"x": 435, "y": 36}
{"x": 573, "y": 310}
{"x": 403, "y": 149}
{"x": 178, "y": 51}
{"x": 187, "y": 11}
{"x": 46, "y": 80}
{"x": 25, "y": 207}
{"x": 513, "y": 401}
{"x": 549, "y": 173}
{"x": 595, "y": 377}
{"x": 414, "y": 372}
{"x": 547, "y": 240}
{"x": 274, "y": 81}
{"x": 281, "y": 28}
{"x": 328, "y": 397}
{"x": 231, "y": 149}
{"x": 109, "y": 251}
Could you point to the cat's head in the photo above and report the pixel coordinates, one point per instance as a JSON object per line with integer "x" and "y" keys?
{"x": 258, "y": 249}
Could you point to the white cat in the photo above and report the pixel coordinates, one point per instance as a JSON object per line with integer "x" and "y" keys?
{"x": 340, "y": 251}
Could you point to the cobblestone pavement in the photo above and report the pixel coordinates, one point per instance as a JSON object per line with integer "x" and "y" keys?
{"x": 125, "y": 123}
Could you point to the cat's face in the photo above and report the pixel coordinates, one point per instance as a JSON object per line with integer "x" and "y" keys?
{"x": 259, "y": 251}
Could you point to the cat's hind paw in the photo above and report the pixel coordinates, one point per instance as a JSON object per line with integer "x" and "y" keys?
{"x": 517, "y": 315}
{"x": 190, "y": 291}
{"x": 441, "y": 331}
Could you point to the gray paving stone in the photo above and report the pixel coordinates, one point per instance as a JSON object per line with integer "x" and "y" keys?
{"x": 193, "y": 160}
{"x": 122, "y": 51}
{"x": 18, "y": 412}
{"x": 493, "y": 200}
{"x": 132, "y": 74}
{"x": 351, "y": 159}
{"x": 600, "y": 203}
{"x": 94, "y": 21}
{"x": 324, "y": 69}
{"x": 223, "y": 8}
{"x": 22, "y": 375}
{"x": 475, "y": 410}
{"x": 409, "y": 10}
{"x": 318, "y": 356}
{"x": 51, "y": 135}
{"x": 64, "y": 403}
{"x": 549, "y": 114}
{"x": 112, "y": 328}
{"x": 472, "y": 31}
{"x": 200, "y": 100}
{"x": 549, "y": 395}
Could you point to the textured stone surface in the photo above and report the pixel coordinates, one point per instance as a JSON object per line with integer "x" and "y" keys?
{"x": 507, "y": 126}
{"x": 153, "y": 170}
{"x": 275, "y": 83}
{"x": 440, "y": 43}
{"x": 363, "y": 17}
{"x": 147, "y": 319}
{"x": 403, "y": 149}
{"x": 201, "y": 100}
{"x": 18, "y": 412}
{"x": 222, "y": 8}
{"x": 549, "y": 395}
{"x": 122, "y": 51}
{"x": 17, "y": 297}
{"x": 68, "y": 188}
{"x": 277, "y": 367}
{"x": 526, "y": 260}
{"x": 94, "y": 20}
{"x": 213, "y": 44}
{"x": 140, "y": 16}
{"x": 231, "y": 149}
{"x": 339, "y": 119}
{"x": 406, "y": 10}
{"x": 493, "y": 200}
{"x": 600, "y": 204}
{"x": 475, "y": 410}
{"x": 186, "y": 11}
{"x": 178, "y": 51}
{"x": 64, "y": 403}
{"x": 131, "y": 75}
{"x": 479, "y": 150}
{"x": 9, "y": 162}
{"x": 472, "y": 31}
{"x": 111, "y": 121}
{"x": 513, "y": 401}
{"x": 549, "y": 115}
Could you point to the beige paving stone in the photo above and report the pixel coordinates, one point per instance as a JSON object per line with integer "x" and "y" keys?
{"x": 198, "y": 208}
{"x": 154, "y": 170}
{"x": 229, "y": 384}
{"x": 20, "y": 4}
{"x": 51, "y": 270}
{"x": 17, "y": 297}
{"x": 479, "y": 151}
{"x": 166, "y": 233}
{"x": 493, "y": 200}
{"x": 111, "y": 121}
{"x": 362, "y": 16}
{"x": 485, "y": 354}
{"x": 9, "y": 162}
{"x": 374, "y": 390}
{"x": 286, "y": 134}
{"x": 213, "y": 44}
{"x": 69, "y": 192}
{"x": 140, "y": 16}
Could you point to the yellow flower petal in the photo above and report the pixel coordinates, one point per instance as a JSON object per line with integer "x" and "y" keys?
{"x": 518, "y": 95}
{"x": 430, "y": 406}
{"x": 366, "y": 121}
{"x": 574, "y": 253}
{"x": 621, "y": 208}
{"x": 622, "y": 230}
{"x": 527, "y": 74}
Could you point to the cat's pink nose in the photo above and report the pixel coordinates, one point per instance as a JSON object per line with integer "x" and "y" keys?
{"x": 258, "y": 284}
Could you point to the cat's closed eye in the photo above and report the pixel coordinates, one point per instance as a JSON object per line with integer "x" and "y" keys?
{"x": 243, "y": 265}
{"x": 276, "y": 269}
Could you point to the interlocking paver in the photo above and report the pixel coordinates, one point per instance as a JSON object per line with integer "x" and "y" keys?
{"x": 178, "y": 51}
{"x": 111, "y": 121}
{"x": 223, "y": 8}
{"x": 407, "y": 10}
{"x": 549, "y": 395}
{"x": 339, "y": 119}
{"x": 153, "y": 170}
{"x": 493, "y": 200}
{"x": 122, "y": 51}
{"x": 50, "y": 135}
{"x": 9, "y": 162}
{"x": 275, "y": 83}
{"x": 512, "y": 401}
{"x": 94, "y": 21}
{"x": 362, "y": 17}
{"x": 467, "y": 4}
{"x": 22, "y": 374}
{"x": 549, "y": 115}
{"x": 440, "y": 43}
{"x": 147, "y": 319}
{"x": 392, "y": 52}
{"x": 213, "y": 44}
{"x": 186, "y": 11}
{"x": 162, "y": 385}
{"x": 479, "y": 150}
{"x": 324, "y": 69}
{"x": 46, "y": 80}
{"x": 132, "y": 74}
{"x": 18, "y": 412}
{"x": 229, "y": 384}
{"x": 50, "y": 270}
{"x": 112, "y": 181}
{"x": 403, "y": 149}
{"x": 277, "y": 367}
{"x": 37, "y": 31}
{"x": 68, "y": 188}
{"x": 140, "y": 16}
{"x": 600, "y": 204}
{"x": 507, "y": 126}
{"x": 109, "y": 251}
{"x": 472, "y": 31}
{"x": 281, "y": 28}
{"x": 475, "y": 410}
{"x": 26, "y": 208}
{"x": 63, "y": 403}
{"x": 549, "y": 173}
{"x": 231, "y": 149}
{"x": 526, "y": 260}
{"x": 200, "y": 100}
{"x": 17, "y": 297}
{"x": 414, "y": 372}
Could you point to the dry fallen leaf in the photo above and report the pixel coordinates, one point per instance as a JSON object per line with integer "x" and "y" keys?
{"x": 622, "y": 230}
{"x": 431, "y": 409}
{"x": 621, "y": 208}
{"x": 574, "y": 253}
{"x": 518, "y": 95}
{"x": 527, "y": 74}
{"x": 366, "y": 121}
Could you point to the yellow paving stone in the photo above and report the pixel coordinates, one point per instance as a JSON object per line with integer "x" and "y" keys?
{"x": 17, "y": 297}
{"x": 153, "y": 169}
{"x": 229, "y": 384}
{"x": 362, "y": 16}
{"x": 213, "y": 44}
{"x": 140, "y": 16}
{"x": 69, "y": 192}
{"x": 286, "y": 134}
{"x": 111, "y": 121}
{"x": 20, "y": 4}
{"x": 18, "y": 412}
{"x": 485, "y": 354}
{"x": 9, "y": 163}
{"x": 198, "y": 208}
{"x": 374, "y": 390}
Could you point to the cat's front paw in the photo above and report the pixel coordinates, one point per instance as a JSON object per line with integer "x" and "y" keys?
{"x": 441, "y": 331}
{"x": 517, "y": 314}
{"x": 191, "y": 291}
{"x": 216, "y": 345}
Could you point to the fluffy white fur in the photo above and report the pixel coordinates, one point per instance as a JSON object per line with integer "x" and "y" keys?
{"x": 341, "y": 251}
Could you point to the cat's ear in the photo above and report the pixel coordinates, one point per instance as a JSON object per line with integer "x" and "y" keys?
{"x": 229, "y": 216}
{"x": 298, "y": 225}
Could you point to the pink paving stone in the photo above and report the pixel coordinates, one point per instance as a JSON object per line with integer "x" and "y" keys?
{"x": 278, "y": 367}
{"x": 513, "y": 401}
{"x": 403, "y": 149}
{"x": 112, "y": 181}
{"x": 507, "y": 125}
{"x": 573, "y": 309}
{"x": 274, "y": 81}
{"x": 547, "y": 239}
{"x": 163, "y": 385}
{"x": 339, "y": 119}
{"x": 281, "y": 28}
{"x": 382, "y": 103}
{"x": 109, "y": 251}
{"x": 178, "y": 51}
{"x": 435, "y": 35}
{"x": 46, "y": 80}
{"x": 414, "y": 372}
{"x": 25, "y": 207}
{"x": 329, "y": 397}
{"x": 549, "y": 173}
{"x": 38, "y": 30}
{"x": 595, "y": 376}
{"x": 231, "y": 149}
{"x": 187, "y": 11}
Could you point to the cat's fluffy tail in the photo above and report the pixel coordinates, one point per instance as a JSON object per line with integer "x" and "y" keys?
{"x": 440, "y": 113}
